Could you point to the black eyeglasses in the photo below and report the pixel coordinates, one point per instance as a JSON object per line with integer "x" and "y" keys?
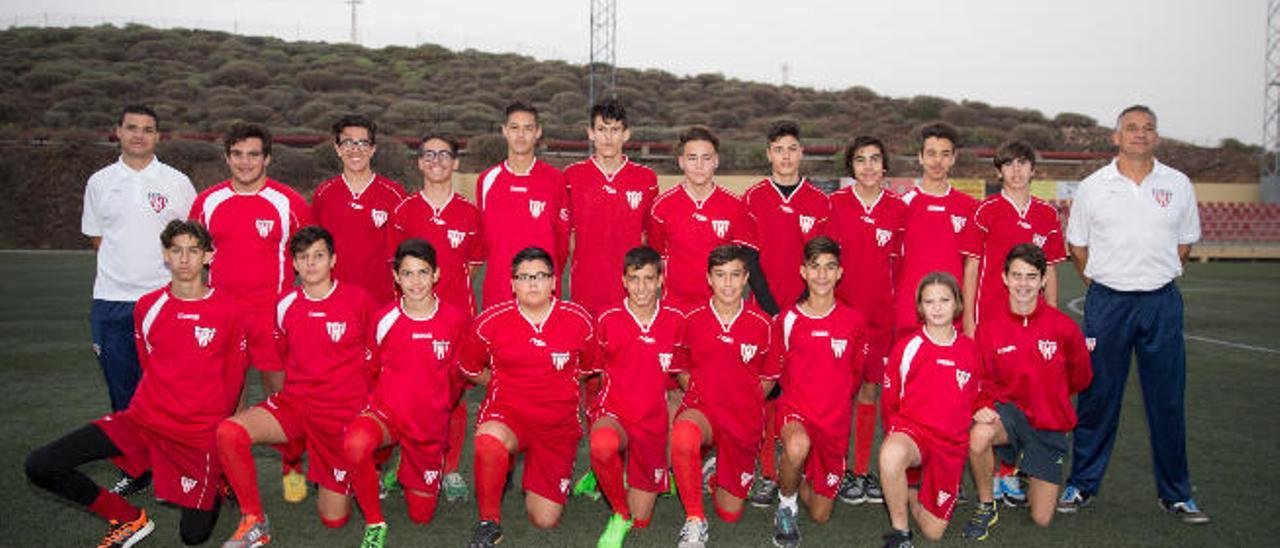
{"x": 432, "y": 155}
{"x": 530, "y": 278}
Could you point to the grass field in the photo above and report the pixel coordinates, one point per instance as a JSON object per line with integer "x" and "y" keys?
{"x": 52, "y": 385}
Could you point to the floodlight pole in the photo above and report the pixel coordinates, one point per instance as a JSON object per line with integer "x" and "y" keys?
{"x": 602, "y": 75}
{"x": 355, "y": 37}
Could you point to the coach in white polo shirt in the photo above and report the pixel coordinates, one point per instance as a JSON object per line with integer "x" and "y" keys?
{"x": 1131, "y": 227}
{"x": 126, "y": 206}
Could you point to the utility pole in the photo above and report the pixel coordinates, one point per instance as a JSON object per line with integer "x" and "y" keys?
{"x": 1269, "y": 172}
{"x": 355, "y": 36}
{"x": 602, "y": 78}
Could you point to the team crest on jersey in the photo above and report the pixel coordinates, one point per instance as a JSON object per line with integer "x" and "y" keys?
{"x": 379, "y": 217}
{"x": 745, "y": 478}
{"x": 1163, "y": 196}
{"x": 430, "y": 476}
{"x": 1048, "y": 349}
{"x": 188, "y": 484}
{"x": 748, "y": 351}
{"x": 335, "y": 329}
{"x": 957, "y": 222}
{"x": 1090, "y": 342}
{"x": 559, "y": 359}
{"x": 1039, "y": 239}
{"x": 838, "y": 346}
{"x": 882, "y": 236}
{"x": 633, "y": 199}
{"x": 264, "y": 226}
{"x": 664, "y": 360}
{"x": 456, "y": 237}
{"x": 833, "y": 480}
{"x": 536, "y": 207}
{"x": 721, "y": 227}
{"x": 441, "y": 349}
{"x": 806, "y": 223}
{"x": 158, "y": 201}
{"x": 943, "y": 496}
{"x": 962, "y": 378}
{"x": 204, "y": 335}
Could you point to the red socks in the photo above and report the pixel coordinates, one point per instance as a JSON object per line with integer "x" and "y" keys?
{"x": 864, "y": 429}
{"x": 1003, "y": 468}
{"x": 457, "y": 436}
{"x": 606, "y": 462}
{"x": 336, "y": 523}
{"x": 727, "y": 516}
{"x": 234, "y": 451}
{"x": 421, "y": 507}
{"x": 490, "y": 469}
{"x": 363, "y": 436}
{"x": 686, "y": 465}
{"x": 769, "y": 449}
{"x": 113, "y": 507}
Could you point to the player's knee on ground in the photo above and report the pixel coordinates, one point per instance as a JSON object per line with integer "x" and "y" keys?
{"x": 422, "y": 507}
{"x": 727, "y": 515}
{"x": 544, "y": 519}
{"x": 931, "y": 526}
{"x": 196, "y": 526}
{"x": 1042, "y": 516}
{"x": 43, "y": 469}
{"x": 819, "y": 508}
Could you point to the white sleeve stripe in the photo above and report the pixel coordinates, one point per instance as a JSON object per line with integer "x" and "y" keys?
{"x": 788, "y": 323}
{"x": 908, "y": 355}
{"x": 281, "y": 204}
{"x": 150, "y": 317}
{"x": 283, "y": 306}
{"x": 487, "y": 183}
{"x": 388, "y": 320}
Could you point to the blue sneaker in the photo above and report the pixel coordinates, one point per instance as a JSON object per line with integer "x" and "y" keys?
{"x": 1186, "y": 510}
{"x": 1009, "y": 489}
{"x": 1073, "y": 499}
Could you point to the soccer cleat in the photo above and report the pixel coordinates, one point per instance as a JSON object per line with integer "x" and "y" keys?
{"x": 586, "y": 486}
{"x": 251, "y": 533}
{"x": 694, "y": 534}
{"x": 786, "y": 528}
{"x": 455, "y": 487}
{"x": 709, "y": 474}
{"x": 390, "y": 481}
{"x": 488, "y": 534}
{"x": 123, "y": 534}
{"x": 898, "y": 539}
{"x": 871, "y": 487}
{"x": 127, "y": 486}
{"x": 766, "y": 493}
{"x": 1187, "y": 511}
{"x": 1009, "y": 489}
{"x": 615, "y": 532}
{"x": 671, "y": 487}
{"x": 295, "y": 486}
{"x": 375, "y": 536}
{"x": 851, "y": 489}
{"x": 984, "y": 518}
{"x": 1072, "y": 499}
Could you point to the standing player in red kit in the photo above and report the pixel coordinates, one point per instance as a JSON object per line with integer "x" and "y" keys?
{"x": 693, "y": 217}
{"x": 355, "y": 207}
{"x": 819, "y": 344}
{"x": 419, "y": 383}
{"x": 727, "y": 377}
{"x": 639, "y": 341}
{"x": 787, "y": 210}
{"x": 191, "y": 348}
{"x": 1034, "y": 360}
{"x": 867, "y": 222}
{"x": 930, "y": 396}
{"x": 522, "y": 203}
{"x": 530, "y": 352}
{"x": 326, "y": 335}
{"x": 936, "y": 215}
{"x": 251, "y": 218}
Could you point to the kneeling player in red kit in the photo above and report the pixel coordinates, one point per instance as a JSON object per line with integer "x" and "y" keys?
{"x": 192, "y": 350}
{"x": 324, "y": 330}
{"x": 820, "y": 346}
{"x": 418, "y": 338}
{"x": 1034, "y": 359}
{"x": 726, "y": 381}
{"x": 929, "y": 398}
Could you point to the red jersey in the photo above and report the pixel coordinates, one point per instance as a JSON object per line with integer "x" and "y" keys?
{"x": 359, "y": 226}
{"x": 821, "y": 360}
{"x": 783, "y": 225}
{"x": 454, "y": 232}
{"x": 607, "y": 215}
{"x": 520, "y": 210}
{"x": 995, "y": 228}
{"x": 328, "y": 347}
{"x": 251, "y": 232}
{"x": 932, "y": 386}
{"x": 930, "y": 241}
{"x": 193, "y": 359}
{"x": 870, "y": 237}
{"x": 637, "y": 361}
{"x": 1035, "y": 362}
{"x": 420, "y": 380}
{"x": 726, "y": 364}
{"x": 685, "y": 231}
{"x": 537, "y": 366}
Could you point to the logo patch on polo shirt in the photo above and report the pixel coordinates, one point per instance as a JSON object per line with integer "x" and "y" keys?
{"x": 633, "y": 199}
{"x": 559, "y": 359}
{"x": 456, "y": 237}
{"x": 1163, "y": 196}
{"x": 882, "y": 236}
{"x": 1048, "y": 349}
{"x": 158, "y": 201}
{"x": 379, "y": 217}
{"x": 721, "y": 227}
{"x": 806, "y": 223}
{"x": 748, "y": 351}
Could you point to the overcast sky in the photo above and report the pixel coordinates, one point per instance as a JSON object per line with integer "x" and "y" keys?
{"x": 1198, "y": 63}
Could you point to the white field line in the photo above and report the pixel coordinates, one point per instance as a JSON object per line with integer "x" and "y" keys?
{"x": 1076, "y": 305}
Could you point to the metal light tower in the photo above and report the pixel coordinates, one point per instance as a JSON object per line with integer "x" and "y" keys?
{"x": 355, "y": 36}
{"x": 1269, "y": 176}
{"x": 603, "y": 65}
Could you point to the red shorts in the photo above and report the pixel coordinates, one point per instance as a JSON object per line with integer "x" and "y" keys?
{"x": 646, "y": 452}
{"x": 259, "y": 329}
{"x": 190, "y": 477}
{"x": 421, "y": 462}
{"x": 826, "y": 461}
{"x": 939, "y": 474}
{"x": 735, "y": 458}
{"x": 323, "y": 436}
{"x": 549, "y": 449}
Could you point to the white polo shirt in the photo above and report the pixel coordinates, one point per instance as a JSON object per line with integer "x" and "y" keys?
{"x": 1133, "y": 229}
{"x": 128, "y": 209}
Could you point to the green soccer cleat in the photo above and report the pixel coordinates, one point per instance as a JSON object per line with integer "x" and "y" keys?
{"x": 615, "y": 532}
{"x": 587, "y": 486}
{"x": 390, "y": 482}
{"x": 455, "y": 487}
{"x": 375, "y": 536}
